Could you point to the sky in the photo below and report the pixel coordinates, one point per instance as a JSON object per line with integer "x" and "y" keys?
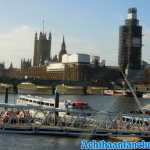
{"x": 89, "y": 26}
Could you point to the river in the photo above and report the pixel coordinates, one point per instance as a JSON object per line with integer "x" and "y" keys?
{"x": 29, "y": 142}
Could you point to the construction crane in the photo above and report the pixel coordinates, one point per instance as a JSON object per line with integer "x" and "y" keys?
{"x": 133, "y": 93}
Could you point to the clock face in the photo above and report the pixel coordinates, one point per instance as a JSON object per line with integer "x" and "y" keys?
{"x": 136, "y": 42}
{"x": 132, "y": 16}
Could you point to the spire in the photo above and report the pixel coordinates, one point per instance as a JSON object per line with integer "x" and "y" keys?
{"x": 41, "y": 35}
{"x": 36, "y": 36}
{"x": 63, "y": 50}
{"x": 50, "y": 36}
{"x": 44, "y": 36}
{"x": 132, "y": 17}
{"x": 132, "y": 13}
{"x": 63, "y": 39}
{"x": 63, "y": 45}
{"x": 43, "y": 23}
{"x": 11, "y": 66}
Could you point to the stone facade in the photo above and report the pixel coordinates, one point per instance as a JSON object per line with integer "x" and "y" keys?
{"x": 42, "y": 49}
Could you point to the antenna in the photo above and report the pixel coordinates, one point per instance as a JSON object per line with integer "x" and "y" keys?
{"x": 43, "y": 23}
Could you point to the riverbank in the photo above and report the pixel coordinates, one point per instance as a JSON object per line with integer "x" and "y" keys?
{"x": 4, "y": 86}
{"x": 30, "y": 88}
{"x": 80, "y": 90}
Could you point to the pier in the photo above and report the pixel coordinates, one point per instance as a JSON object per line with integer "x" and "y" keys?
{"x": 42, "y": 122}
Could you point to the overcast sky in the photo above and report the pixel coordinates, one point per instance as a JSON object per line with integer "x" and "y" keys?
{"x": 89, "y": 26}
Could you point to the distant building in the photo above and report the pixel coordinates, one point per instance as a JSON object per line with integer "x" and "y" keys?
{"x": 63, "y": 50}
{"x": 2, "y": 65}
{"x": 26, "y": 63}
{"x": 42, "y": 49}
{"x": 11, "y": 66}
{"x": 130, "y": 42}
{"x": 54, "y": 59}
{"x": 76, "y": 58}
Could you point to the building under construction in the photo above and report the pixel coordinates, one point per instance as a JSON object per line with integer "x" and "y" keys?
{"x": 130, "y": 42}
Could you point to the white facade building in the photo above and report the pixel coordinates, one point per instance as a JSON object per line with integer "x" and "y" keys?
{"x": 76, "y": 58}
{"x": 56, "y": 67}
{"x": 95, "y": 58}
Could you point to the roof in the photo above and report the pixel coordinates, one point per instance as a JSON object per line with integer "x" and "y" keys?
{"x": 56, "y": 67}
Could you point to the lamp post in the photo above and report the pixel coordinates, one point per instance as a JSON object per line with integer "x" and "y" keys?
{"x": 123, "y": 87}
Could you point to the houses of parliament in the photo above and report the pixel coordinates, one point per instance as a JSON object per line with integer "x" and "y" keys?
{"x": 82, "y": 67}
{"x": 42, "y": 50}
{"x": 61, "y": 67}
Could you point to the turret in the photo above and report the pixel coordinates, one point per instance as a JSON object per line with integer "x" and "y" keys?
{"x": 63, "y": 50}
{"x": 40, "y": 36}
{"x": 132, "y": 13}
{"x": 50, "y": 36}
{"x": 42, "y": 48}
{"x": 132, "y": 17}
{"x": 63, "y": 46}
{"x": 36, "y": 36}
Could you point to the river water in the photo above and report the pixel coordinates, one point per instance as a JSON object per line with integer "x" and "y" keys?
{"x": 100, "y": 103}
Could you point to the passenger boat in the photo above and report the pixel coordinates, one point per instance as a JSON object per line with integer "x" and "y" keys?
{"x": 50, "y": 102}
{"x": 81, "y": 106}
{"x": 125, "y": 125}
{"x": 31, "y": 88}
{"x": 35, "y": 100}
{"x": 37, "y": 115}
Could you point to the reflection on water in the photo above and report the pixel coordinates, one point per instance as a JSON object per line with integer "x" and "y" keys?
{"x": 100, "y": 103}
{"x": 30, "y": 142}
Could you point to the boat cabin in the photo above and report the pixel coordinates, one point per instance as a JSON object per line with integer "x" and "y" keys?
{"x": 34, "y": 100}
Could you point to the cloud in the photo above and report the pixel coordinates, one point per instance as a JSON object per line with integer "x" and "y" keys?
{"x": 16, "y": 44}
{"x": 19, "y": 43}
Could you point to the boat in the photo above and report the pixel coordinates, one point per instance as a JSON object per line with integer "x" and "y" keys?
{"x": 71, "y": 90}
{"x": 130, "y": 138}
{"x": 35, "y": 100}
{"x": 108, "y": 92}
{"x": 39, "y": 116}
{"x": 22, "y": 121}
{"x": 128, "y": 93}
{"x": 50, "y": 102}
{"x": 119, "y": 92}
{"x": 81, "y": 106}
{"x": 31, "y": 88}
{"x": 73, "y": 131}
{"x": 146, "y": 95}
{"x": 75, "y": 122}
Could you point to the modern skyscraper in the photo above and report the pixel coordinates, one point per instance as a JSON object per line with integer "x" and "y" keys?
{"x": 130, "y": 42}
{"x": 63, "y": 50}
{"x": 42, "y": 49}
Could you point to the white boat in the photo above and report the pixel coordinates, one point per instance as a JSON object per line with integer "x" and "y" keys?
{"x": 146, "y": 95}
{"x": 38, "y": 101}
{"x": 72, "y": 107}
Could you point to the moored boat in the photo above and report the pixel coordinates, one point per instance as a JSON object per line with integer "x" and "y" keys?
{"x": 131, "y": 138}
{"x": 146, "y": 95}
{"x": 30, "y": 88}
